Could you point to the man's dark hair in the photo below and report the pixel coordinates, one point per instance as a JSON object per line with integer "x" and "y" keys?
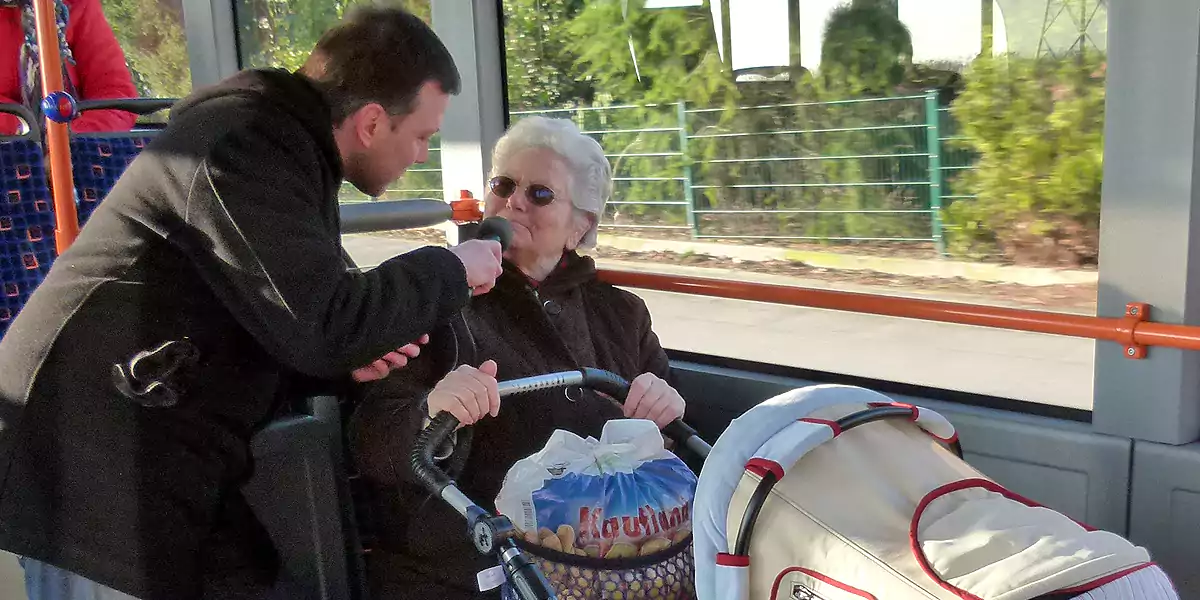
{"x": 379, "y": 54}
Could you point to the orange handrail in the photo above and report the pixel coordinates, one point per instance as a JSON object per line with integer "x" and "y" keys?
{"x": 66, "y": 220}
{"x": 1133, "y": 330}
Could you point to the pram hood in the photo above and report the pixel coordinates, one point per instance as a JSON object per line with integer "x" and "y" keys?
{"x": 977, "y": 536}
{"x": 886, "y": 506}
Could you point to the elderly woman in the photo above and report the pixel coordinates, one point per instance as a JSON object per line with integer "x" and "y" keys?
{"x": 547, "y": 313}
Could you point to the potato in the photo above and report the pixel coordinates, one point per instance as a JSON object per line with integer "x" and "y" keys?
{"x": 654, "y": 544}
{"x": 532, "y": 538}
{"x": 592, "y": 551}
{"x": 621, "y": 550}
{"x": 552, "y": 542}
{"x": 566, "y": 535}
{"x": 680, "y": 535}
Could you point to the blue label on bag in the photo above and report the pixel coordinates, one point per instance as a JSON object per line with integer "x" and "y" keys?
{"x": 619, "y": 515}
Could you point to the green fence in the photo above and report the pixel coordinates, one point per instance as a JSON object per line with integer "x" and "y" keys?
{"x": 861, "y": 170}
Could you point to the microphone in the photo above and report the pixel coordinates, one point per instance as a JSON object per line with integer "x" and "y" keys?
{"x": 498, "y": 229}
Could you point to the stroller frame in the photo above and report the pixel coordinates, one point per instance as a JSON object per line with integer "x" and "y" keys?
{"x": 771, "y": 472}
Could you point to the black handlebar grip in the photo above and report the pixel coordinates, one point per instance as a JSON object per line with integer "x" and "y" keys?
{"x": 606, "y": 382}
{"x": 879, "y": 413}
{"x": 679, "y": 431}
{"x": 421, "y": 460}
{"x": 138, "y": 106}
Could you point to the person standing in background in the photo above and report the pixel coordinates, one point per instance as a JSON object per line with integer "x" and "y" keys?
{"x": 93, "y": 64}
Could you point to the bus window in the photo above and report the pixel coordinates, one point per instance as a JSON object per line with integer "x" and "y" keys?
{"x": 281, "y": 34}
{"x": 939, "y": 149}
{"x": 151, "y": 33}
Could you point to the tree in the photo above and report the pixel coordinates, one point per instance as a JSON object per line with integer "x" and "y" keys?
{"x": 676, "y": 60}
{"x": 866, "y": 49}
{"x": 1036, "y": 126}
{"x": 675, "y": 49}
{"x": 540, "y": 55}
{"x": 281, "y": 33}
{"x": 151, "y": 35}
{"x": 820, "y": 138}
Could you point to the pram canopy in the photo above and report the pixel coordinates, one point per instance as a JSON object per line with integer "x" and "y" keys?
{"x": 886, "y": 511}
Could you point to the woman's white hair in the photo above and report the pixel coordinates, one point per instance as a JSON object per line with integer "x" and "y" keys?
{"x": 591, "y": 173}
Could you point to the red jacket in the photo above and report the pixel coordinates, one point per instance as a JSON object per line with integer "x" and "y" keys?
{"x": 99, "y": 71}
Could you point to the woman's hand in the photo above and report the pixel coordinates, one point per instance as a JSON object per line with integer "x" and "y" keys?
{"x": 389, "y": 362}
{"x": 651, "y": 397}
{"x": 467, "y": 393}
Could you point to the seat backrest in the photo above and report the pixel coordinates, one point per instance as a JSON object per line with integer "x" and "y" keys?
{"x": 26, "y": 219}
{"x": 299, "y": 492}
{"x": 99, "y": 159}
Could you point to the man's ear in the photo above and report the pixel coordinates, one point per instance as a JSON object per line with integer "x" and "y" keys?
{"x": 365, "y": 123}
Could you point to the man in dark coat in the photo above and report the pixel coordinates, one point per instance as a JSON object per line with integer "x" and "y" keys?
{"x": 204, "y": 291}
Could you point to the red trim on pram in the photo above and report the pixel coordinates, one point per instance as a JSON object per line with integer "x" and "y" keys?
{"x": 991, "y": 486}
{"x": 762, "y": 466}
{"x": 916, "y": 418}
{"x": 949, "y": 440}
{"x": 826, "y": 422}
{"x": 1103, "y": 581}
{"x": 732, "y": 560}
{"x": 819, "y": 577}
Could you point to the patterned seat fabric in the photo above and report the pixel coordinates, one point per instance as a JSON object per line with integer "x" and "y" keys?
{"x": 26, "y": 225}
{"x": 97, "y": 162}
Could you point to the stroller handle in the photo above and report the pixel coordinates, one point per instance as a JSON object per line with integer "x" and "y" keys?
{"x": 444, "y": 424}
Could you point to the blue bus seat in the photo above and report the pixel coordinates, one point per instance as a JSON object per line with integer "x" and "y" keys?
{"x": 99, "y": 159}
{"x": 26, "y": 218}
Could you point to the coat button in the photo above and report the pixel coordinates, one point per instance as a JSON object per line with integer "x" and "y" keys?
{"x": 552, "y": 308}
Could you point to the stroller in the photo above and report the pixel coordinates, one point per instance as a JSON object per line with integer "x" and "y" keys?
{"x": 834, "y": 492}
{"x": 887, "y": 511}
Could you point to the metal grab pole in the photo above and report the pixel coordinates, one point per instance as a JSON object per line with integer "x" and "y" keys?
{"x": 58, "y": 142}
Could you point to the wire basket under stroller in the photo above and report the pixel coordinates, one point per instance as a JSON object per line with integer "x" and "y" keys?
{"x": 665, "y": 575}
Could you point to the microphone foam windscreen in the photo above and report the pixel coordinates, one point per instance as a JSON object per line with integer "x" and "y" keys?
{"x": 496, "y": 228}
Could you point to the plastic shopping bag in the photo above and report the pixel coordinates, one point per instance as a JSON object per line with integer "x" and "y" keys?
{"x": 621, "y": 496}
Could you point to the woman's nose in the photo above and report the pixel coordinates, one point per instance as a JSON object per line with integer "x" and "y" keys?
{"x": 517, "y": 200}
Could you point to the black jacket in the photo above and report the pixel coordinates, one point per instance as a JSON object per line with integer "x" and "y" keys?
{"x": 216, "y": 263}
{"x": 571, "y": 320}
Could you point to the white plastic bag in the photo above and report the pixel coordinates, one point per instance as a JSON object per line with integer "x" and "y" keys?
{"x": 621, "y": 496}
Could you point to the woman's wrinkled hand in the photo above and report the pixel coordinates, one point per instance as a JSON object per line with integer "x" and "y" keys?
{"x": 389, "y": 362}
{"x": 651, "y": 397}
{"x": 467, "y": 393}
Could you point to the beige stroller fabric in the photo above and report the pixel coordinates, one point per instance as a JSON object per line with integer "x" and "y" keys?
{"x": 885, "y": 511}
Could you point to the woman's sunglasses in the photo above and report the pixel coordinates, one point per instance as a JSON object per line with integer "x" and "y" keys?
{"x": 537, "y": 193}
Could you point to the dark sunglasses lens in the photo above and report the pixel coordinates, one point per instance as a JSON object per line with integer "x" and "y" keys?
{"x": 502, "y": 186}
{"x": 541, "y": 195}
